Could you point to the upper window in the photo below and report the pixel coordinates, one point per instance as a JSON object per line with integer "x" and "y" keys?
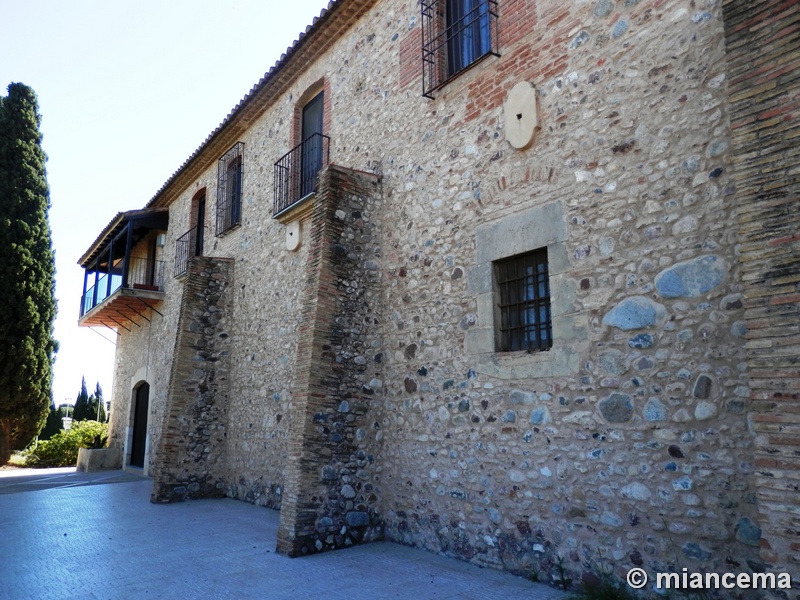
{"x": 229, "y": 189}
{"x": 191, "y": 243}
{"x": 468, "y": 35}
{"x": 199, "y": 218}
{"x": 296, "y": 171}
{"x": 311, "y": 151}
{"x": 455, "y": 35}
{"x": 523, "y": 286}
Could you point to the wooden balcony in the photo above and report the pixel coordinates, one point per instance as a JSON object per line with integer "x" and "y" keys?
{"x": 123, "y": 282}
{"x": 112, "y": 303}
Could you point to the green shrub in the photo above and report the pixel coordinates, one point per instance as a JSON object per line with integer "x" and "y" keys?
{"x": 61, "y": 450}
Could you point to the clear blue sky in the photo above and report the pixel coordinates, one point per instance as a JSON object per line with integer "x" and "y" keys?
{"x": 127, "y": 91}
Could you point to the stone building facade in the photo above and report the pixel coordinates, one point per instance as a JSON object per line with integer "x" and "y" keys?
{"x": 348, "y": 356}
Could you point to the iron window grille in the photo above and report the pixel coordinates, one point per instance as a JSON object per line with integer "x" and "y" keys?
{"x": 524, "y": 293}
{"x": 295, "y": 174}
{"x": 455, "y": 35}
{"x": 229, "y": 189}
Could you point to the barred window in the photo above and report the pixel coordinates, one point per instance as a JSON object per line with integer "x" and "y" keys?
{"x": 229, "y": 189}
{"x": 455, "y": 35}
{"x": 523, "y": 284}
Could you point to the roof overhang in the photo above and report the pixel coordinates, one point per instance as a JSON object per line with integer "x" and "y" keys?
{"x": 150, "y": 218}
{"x": 324, "y": 31}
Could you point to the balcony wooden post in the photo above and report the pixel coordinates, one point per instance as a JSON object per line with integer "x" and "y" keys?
{"x": 125, "y": 259}
{"x": 83, "y": 294}
{"x": 109, "y": 269}
{"x": 95, "y": 286}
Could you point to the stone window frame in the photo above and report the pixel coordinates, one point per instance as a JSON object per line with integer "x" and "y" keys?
{"x": 534, "y": 228}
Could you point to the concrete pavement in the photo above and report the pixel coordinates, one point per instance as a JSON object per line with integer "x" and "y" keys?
{"x": 95, "y": 536}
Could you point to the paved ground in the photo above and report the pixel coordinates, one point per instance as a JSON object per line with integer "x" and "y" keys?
{"x": 75, "y": 535}
{"x": 29, "y": 480}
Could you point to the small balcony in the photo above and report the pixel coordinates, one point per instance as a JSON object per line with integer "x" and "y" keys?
{"x": 189, "y": 245}
{"x": 123, "y": 278}
{"x": 125, "y": 298}
{"x": 296, "y": 173}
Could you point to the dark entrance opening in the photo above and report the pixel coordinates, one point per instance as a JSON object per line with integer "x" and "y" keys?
{"x": 311, "y": 153}
{"x": 201, "y": 226}
{"x": 141, "y": 402}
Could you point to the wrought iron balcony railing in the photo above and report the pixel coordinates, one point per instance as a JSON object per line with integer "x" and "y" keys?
{"x": 189, "y": 245}
{"x": 296, "y": 171}
{"x": 133, "y": 273}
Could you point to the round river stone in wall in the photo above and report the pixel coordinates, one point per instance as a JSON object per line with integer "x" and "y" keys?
{"x": 691, "y": 278}
{"x": 654, "y": 410}
{"x": 705, "y": 410}
{"x": 636, "y": 312}
{"x": 613, "y": 362}
{"x": 616, "y": 408}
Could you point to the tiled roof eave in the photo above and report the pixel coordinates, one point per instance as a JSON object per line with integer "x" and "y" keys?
{"x": 112, "y": 228}
{"x": 325, "y": 30}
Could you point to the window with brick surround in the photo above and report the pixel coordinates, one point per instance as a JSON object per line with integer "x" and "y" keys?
{"x": 455, "y": 35}
{"x": 523, "y": 291}
{"x": 229, "y": 189}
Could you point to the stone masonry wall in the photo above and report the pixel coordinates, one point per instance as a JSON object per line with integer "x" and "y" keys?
{"x": 330, "y": 500}
{"x": 638, "y": 449}
{"x": 762, "y": 40}
{"x": 267, "y": 309}
{"x": 629, "y": 440}
{"x": 142, "y": 356}
{"x": 191, "y": 448}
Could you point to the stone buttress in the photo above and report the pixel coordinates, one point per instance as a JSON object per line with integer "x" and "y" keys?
{"x": 330, "y": 499}
{"x": 191, "y": 449}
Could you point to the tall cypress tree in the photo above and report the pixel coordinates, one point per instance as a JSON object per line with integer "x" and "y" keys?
{"x": 82, "y": 410}
{"x": 99, "y": 405}
{"x": 27, "y": 272}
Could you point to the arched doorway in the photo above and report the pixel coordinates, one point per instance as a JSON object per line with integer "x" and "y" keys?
{"x": 141, "y": 403}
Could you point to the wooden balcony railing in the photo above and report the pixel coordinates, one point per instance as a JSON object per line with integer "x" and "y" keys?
{"x": 133, "y": 273}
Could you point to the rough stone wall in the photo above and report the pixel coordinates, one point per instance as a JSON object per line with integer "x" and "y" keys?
{"x": 142, "y": 355}
{"x": 267, "y": 308}
{"x": 642, "y": 452}
{"x": 629, "y": 439}
{"x": 265, "y": 315}
{"x": 191, "y": 448}
{"x": 762, "y": 41}
{"x": 330, "y": 499}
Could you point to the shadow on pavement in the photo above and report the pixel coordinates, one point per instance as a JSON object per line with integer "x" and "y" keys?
{"x": 13, "y": 481}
